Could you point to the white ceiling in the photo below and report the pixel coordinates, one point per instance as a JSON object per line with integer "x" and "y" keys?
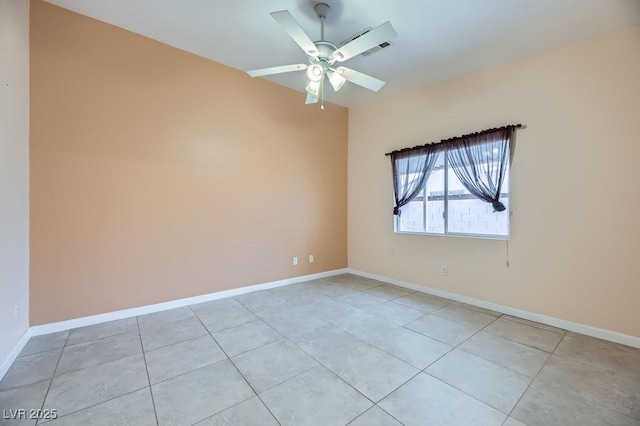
{"x": 437, "y": 39}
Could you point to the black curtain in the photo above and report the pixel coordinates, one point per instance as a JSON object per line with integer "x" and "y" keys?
{"x": 410, "y": 172}
{"x": 480, "y": 162}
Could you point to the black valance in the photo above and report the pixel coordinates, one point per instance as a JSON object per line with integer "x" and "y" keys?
{"x": 442, "y": 143}
{"x": 479, "y": 160}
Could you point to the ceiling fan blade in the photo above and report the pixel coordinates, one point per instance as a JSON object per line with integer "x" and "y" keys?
{"x": 291, "y": 26}
{"x": 277, "y": 70}
{"x": 360, "y": 79}
{"x": 311, "y": 98}
{"x": 376, "y": 36}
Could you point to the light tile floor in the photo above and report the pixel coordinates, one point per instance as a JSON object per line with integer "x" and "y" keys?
{"x": 336, "y": 351}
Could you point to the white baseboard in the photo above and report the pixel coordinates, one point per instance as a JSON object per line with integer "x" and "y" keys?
{"x": 148, "y": 309}
{"x": 14, "y": 353}
{"x": 612, "y": 336}
{"x": 142, "y": 310}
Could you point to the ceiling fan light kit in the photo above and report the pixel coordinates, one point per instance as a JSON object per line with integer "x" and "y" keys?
{"x": 313, "y": 87}
{"x": 315, "y": 72}
{"x": 323, "y": 55}
{"x": 336, "y": 80}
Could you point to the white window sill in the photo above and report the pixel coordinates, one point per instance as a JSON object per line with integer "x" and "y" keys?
{"x": 458, "y": 235}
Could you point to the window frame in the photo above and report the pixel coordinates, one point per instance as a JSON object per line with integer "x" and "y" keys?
{"x": 446, "y": 233}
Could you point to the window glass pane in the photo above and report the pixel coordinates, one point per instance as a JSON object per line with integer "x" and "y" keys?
{"x": 465, "y": 214}
{"x": 412, "y": 215}
{"x": 469, "y": 215}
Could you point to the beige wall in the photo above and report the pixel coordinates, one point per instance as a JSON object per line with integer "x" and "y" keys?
{"x": 14, "y": 173}
{"x": 157, "y": 174}
{"x": 575, "y": 182}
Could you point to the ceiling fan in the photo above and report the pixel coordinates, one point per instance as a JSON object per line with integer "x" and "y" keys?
{"x": 323, "y": 56}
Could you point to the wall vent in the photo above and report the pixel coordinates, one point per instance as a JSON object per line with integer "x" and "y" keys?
{"x": 373, "y": 49}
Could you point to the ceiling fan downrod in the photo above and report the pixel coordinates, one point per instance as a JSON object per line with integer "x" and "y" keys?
{"x": 321, "y": 10}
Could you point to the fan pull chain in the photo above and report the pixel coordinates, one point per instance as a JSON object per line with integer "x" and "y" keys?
{"x": 507, "y": 241}
{"x": 322, "y": 94}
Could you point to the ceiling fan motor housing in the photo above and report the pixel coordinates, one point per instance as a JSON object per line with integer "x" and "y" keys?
{"x": 325, "y": 50}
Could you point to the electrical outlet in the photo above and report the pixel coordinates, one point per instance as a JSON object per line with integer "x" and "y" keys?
{"x": 295, "y": 261}
{"x": 310, "y": 258}
{"x": 16, "y": 310}
{"x": 445, "y": 270}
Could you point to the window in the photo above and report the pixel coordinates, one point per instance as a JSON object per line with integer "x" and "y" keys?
{"x": 445, "y": 207}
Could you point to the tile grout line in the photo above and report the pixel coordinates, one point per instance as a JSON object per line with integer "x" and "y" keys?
{"x": 532, "y": 380}
{"x": 461, "y": 343}
{"x": 299, "y": 374}
{"x": 528, "y": 386}
{"x": 319, "y": 363}
{"x": 506, "y": 368}
{"x": 455, "y": 346}
{"x": 382, "y": 350}
{"x": 237, "y": 369}
{"x": 184, "y": 374}
{"x": 361, "y": 414}
{"x": 96, "y": 338}
{"x": 46, "y": 395}
{"x": 469, "y": 395}
{"x": 423, "y": 371}
{"x": 239, "y": 305}
{"x": 146, "y": 367}
{"x": 387, "y": 352}
{"x": 371, "y": 408}
{"x": 457, "y": 321}
{"x": 439, "y": 358}
{"x": 367, "y": 343}
{"x": 385, "y": 299}
{"x": 43, "y": 351}
{"x": 477, "y": 332}
{"x": 176, "y": 343}
{"x": 524, "y": 344}
{"x": 557, "y": 344}
{"x": 80, "y": 369}
{"x": 510, "y": 369}
{"x": 340, "y": 378}
{"x": 26, "y": 384}
{"x": 95, "y": 365}
{"x": 96, "y": 404}
{"x": 407, "y": 362}
{"x": 460, "y": 390}
{"x": 507, "y": 317}
{"x": 430, "y": 337}
{"x": 390, "y": 415}
{"x": 398, "y": 387}
{"x": 230, "y": 407}
{"x": 208, "y": 334}
{"x": 432, "y": 313}
{"x": 579, "y": 361}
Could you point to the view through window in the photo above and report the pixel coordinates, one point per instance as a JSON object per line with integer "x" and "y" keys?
{"x": 445, "y": 206}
